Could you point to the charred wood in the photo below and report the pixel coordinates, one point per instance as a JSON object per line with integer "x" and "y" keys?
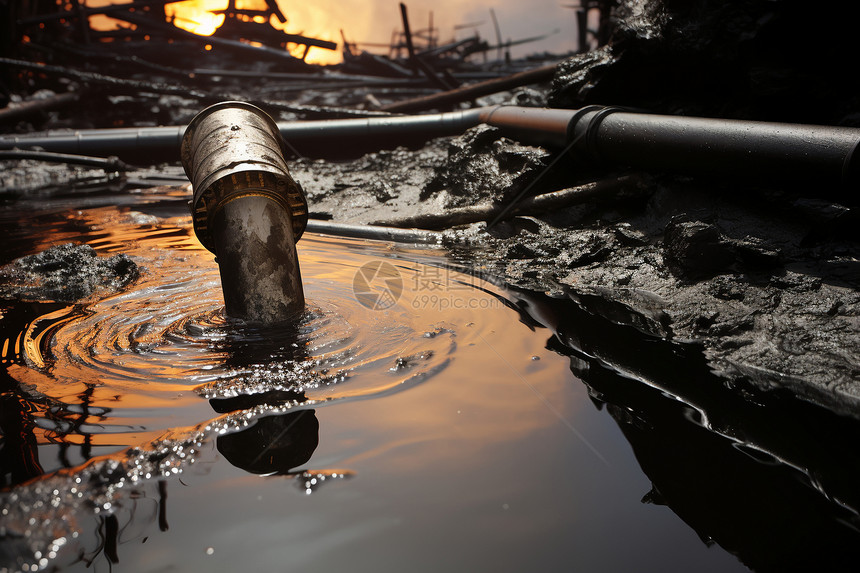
{"x": 15, "y": 112}
{"x": 106, "y": 163}
{"x": 466, "y": 93}
{"x": 595, "y": 191}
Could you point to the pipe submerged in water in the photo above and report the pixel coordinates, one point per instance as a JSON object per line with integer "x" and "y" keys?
{"x": 247, "y": 209}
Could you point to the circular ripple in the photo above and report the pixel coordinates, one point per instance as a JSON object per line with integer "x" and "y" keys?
{"x": 141, "y": 356}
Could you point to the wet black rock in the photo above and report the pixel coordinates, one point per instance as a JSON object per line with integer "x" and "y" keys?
{"x": 65, "y": 273}
{"x": 781, "y": 60}
{"x": 481, "y": 165}
{"x": 697, "y": 249}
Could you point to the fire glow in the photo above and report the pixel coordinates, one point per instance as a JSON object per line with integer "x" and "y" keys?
{"x": 196, "y": 15}
{"x": 199, "y": 17}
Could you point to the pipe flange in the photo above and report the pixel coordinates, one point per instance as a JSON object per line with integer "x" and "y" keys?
{"x": 583, "y": 140}
{"x": 234, "y": 149}
{"x": 279, "y": 188}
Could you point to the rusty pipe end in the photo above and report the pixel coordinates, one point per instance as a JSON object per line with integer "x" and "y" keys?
{"x": 247, "y": 209}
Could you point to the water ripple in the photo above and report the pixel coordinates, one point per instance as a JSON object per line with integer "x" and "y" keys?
{"x": 164, "y": 340}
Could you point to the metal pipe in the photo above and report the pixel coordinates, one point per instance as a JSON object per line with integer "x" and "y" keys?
{"x": 247, "y": 209}
{"x": 782, "y": 151}
{"x": 150, "y": 145}
{"x": 137, "y": 145}
{"x": 764, "y": 150}
{"x": 733, "y": 148}
{"x": 375, "y": 232}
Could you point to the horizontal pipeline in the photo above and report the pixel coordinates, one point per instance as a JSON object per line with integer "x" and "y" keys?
{"x": 595, "y": 135}
{"x": 331, "y": 139}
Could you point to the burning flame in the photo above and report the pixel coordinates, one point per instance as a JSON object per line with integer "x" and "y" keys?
{"x": 196, "y": 16}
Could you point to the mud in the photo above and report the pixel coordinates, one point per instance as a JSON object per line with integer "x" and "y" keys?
{"x": 771, "y": 307}
{"x": 65, "y": 273}
{"x": 481, "y": 163}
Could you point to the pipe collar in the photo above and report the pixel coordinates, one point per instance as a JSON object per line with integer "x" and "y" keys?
{"x": 231, "y": 150}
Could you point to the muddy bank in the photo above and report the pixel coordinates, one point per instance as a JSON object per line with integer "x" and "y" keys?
{"x": 765, "y": 281}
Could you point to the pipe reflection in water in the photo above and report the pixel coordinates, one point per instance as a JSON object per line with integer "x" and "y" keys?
{"x": 272, "y": 445}
{"x": 770, "y": 479}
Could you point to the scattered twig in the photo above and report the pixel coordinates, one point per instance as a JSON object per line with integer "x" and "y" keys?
{"x": 14, "y": 112}
{"x": 106, "y": 163}
{"x": 465, "y": 93}
{"x": 100, "y": 79}
{"x": 535, "y": 205}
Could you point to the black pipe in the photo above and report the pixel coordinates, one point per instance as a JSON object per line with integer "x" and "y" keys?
{"x": 731, "y": 148}
{"x": 353, "y": 137}
{"x": 781, "y": 151}
{"x": 613, "y": 136}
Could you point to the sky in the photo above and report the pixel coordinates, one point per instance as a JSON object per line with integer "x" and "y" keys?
{"x": 375, "y": 20}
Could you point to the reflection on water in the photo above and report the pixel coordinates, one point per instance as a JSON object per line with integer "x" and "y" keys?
{"x": 769, "y": 479}
{"x": 143, "y": 427}
{"x": 273, "y": 445}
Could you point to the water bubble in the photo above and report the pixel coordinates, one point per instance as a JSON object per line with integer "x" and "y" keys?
{"x": 210, "y": 550}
